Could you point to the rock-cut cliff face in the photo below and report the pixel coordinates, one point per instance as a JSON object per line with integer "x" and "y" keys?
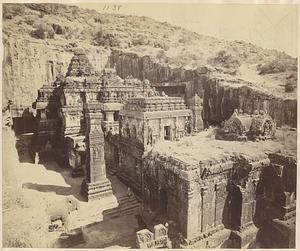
{"x": 28, "y": 64}
{"x": 143, "y": 67}
{"x": 39, "y": 41}
{"x": 220, "y": 99}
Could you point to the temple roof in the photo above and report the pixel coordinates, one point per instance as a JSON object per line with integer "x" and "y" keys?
{"x": 155, "y": 103}
{"x": 80, "y": 65}
{"x": 203, "y": 148}
{"x": 243, "y": 121}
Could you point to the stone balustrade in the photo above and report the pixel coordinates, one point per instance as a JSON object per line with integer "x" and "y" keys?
{"x": 119, "y": 93}
{"x": 17, "y": 111}
{"x": 48, "y": 124}
{"x": 150, "y": 104}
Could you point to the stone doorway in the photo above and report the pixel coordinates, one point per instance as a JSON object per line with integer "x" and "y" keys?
{"x": 23, "y": 125}
{"x": 236, "y": 208}
{"x": 167, "y": 133}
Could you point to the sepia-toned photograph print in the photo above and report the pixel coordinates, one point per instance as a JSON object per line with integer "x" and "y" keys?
{"x": 149, "y": 125}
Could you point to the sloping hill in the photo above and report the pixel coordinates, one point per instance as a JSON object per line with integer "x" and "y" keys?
{"x": 39, "y": 40}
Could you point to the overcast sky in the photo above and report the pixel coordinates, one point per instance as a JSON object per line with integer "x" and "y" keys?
{"x": 270, "y": 26}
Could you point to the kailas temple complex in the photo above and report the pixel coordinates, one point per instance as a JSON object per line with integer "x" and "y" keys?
{"x": 98, "y": 125}
{"x": 185, "y": 163}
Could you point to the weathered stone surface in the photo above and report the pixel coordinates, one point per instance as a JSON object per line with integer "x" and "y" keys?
{"x": 275, "y": 206}
{"x": 158, "y": 239}
{"x": 243, "y": 127}
{"x": 96, "y": 184}
{"x": 22, "y": 55}
{"x": 145, "y": 238}
{"x": 221, "y": 99}
{"x": 241, "y": 239}
{"x": 80, "y": 65}
{"x": 205, "y": 191}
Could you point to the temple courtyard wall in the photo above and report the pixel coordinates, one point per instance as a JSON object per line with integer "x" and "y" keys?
{"x": 217, "y": 201}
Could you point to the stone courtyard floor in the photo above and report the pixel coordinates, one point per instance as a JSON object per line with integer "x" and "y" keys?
{"x": 49, "y": 184}
{"x": 114, "y": 233}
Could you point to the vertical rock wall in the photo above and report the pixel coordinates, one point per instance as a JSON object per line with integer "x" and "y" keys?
{"x": 221, "y": 99}
{"x": 143, "y": 67}
{"x": 28, "y": 64}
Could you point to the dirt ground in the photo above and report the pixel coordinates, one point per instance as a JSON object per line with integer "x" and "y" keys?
{"x": 114, "y": 233}
{"x": 33, "y": 192}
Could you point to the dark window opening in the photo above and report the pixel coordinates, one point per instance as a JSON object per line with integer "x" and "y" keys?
{"x": 24, "y": 125}
{"x": 236, "y": 208}
{"x": 104, "y": 116}
{"x": 116, "y": 116}
{"x": 167, "y": 132}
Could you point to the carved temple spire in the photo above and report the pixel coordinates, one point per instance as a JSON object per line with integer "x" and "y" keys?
{"x": 80, "y": 65}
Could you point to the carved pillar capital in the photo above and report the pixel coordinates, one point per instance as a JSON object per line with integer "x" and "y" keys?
{"x": 203, "y": 190}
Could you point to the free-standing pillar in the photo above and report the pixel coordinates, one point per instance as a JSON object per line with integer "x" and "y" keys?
{"x": 95, "y": 185}
{"x": 109, "y": 116}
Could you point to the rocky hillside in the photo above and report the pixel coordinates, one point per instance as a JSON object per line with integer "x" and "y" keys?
{"x": 39, "y": 40}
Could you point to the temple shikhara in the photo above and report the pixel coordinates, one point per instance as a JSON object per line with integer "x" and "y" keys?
{"x": 189, "y": 187}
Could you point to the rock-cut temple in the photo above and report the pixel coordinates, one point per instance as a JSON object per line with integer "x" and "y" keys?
{"x": 95, "y": 123}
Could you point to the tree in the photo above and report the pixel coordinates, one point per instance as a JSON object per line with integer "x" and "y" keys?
{"x": 225, "y": 60}
{"x": 43, "y": 31}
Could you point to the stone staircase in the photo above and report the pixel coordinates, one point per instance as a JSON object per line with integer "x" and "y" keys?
{"x": 111, "y": 171}
{"x": 124, "y": 178}
{"x": 129, "y": 181}
{"x": 127, "y": 206}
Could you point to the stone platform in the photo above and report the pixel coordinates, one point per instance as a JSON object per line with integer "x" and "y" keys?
{"x": 91, "y": 212}
{"x": 97, "y": 190}
{"x": 243, "y": 238}
{"x": 56, "y": 185}
{"x": 110, "y": 205}
{"x": 218, "y": 239}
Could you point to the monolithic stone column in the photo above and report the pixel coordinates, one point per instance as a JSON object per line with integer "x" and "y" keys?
{"x": 109, "y": 116}
{"x": 203, "y": 211}
{"x": 248, "y": 203}
{"x": 197, "y": 118}
{"x": 197, "y": 107}
{"x": 221, "y": 195}
{"x": 96, "y": 185}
